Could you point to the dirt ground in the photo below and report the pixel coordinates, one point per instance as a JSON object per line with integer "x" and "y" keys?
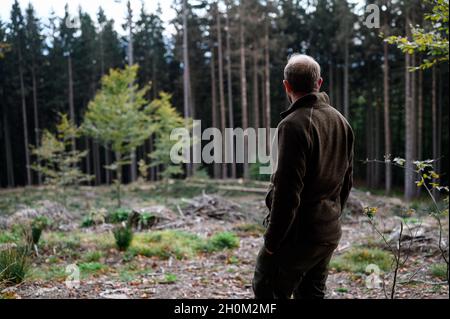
{"x": 228, "y": 273}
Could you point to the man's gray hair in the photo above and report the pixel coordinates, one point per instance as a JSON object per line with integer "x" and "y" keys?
{"x": 302, "y": 72}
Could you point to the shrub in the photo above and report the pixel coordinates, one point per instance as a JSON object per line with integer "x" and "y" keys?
{"x": 14, "y": 265}
{"x": 118, "y": 216}
{"x": 123, "y": 236}
{"x": 95, "y": 217}
{"x": 87, "y": 222}
{"x": 223, "y": 240}
{"x": 147, "y": 220}
{"x": 37, "y": 226}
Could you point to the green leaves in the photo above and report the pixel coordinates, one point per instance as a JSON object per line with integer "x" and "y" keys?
{"x": 166, "y": 119}
{"x": 58, "y": 158}
{"x": 434, "y": 42}
{"x": 118, "y": 115}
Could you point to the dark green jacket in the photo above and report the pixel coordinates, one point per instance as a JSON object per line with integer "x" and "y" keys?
{"x": 313, "y": 175}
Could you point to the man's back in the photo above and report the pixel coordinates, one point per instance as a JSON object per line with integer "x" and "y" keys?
{"x": 316, "y": 149}
{"x": 311, "y": 183}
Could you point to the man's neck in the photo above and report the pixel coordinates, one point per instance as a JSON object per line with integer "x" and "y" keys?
{"x": 298, "y": 96}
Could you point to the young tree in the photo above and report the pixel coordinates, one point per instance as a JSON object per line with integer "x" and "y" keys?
{"x": 110, "y": 56}
{"x": 119, "y": 116}
{"x": 165, "y": 118}
{"x": 58, "y": 162}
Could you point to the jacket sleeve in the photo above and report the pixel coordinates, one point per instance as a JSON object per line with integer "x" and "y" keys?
{"x": 348, "y": 180}
{"x": 293, "y": 148}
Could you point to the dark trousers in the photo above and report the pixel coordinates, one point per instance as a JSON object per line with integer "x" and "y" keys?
{"x": 298, "y": 271}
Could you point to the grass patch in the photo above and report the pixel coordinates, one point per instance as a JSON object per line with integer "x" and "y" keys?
{"x": 166, "y": 243}
{"x": 180, "y": 244}
{"x": 8, "y": 237}
{"x": 439, "y": 271}
{"x": 93, "y": 256}
{"x": 14, "y": 265}
{"x": 169, "y": 279}
{"x": 249, "y": 229}
{"x": 357, "y": 259}
{"x": 341, "y": 290}
{"x": 49, "y": 273}
{"x": 221, "y": 241}
{"x": 91, "y": 268}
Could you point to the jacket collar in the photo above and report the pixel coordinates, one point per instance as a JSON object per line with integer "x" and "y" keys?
{"x": 308, "y": 100}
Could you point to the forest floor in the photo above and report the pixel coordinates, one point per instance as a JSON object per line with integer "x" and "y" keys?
{"x": 165, "y": 261}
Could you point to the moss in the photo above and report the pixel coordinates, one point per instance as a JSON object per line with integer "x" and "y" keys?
{"x": 439, "y": 271}
{"x": 357, "y": 259}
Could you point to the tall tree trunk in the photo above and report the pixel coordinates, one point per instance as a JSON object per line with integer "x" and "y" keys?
{"x": 346, "y": 80}
{"x": 369, "y": 143}
{"x": 216, "y": 166}
{"x": 243, "y": 91}
{"x": 420, "y": 116}
{"x": 409, "y": 136}
{"x": 221, "y": 88}
{"x": 331, "y": 82}
{"x": 97, "y": 166}
{"x": 414, "y": 106}
{"x": 102, "y": 72}
{"x": 133, "y": 166}
{"x": 263, "y": 99}
{"x": 36, "y": 114}
{"x": 229, "y": 80}
{"x": 434, "y": 114}
{"x": 24, "y": 120}
{"x": 439, "y": 119}
{"x": 387, "y": 125}
{"x": 88, "y": 158}
{"x": 186, "y": 76}
{"x": 8, "y": 152}
{"x": 256, "y": 115}
{"x": 71, "y": 102}
{"x": 377, "y": 143}
{"x": 267, "y": 78}
{"x": 338, "y": 89}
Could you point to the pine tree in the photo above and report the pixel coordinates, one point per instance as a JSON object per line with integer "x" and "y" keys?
{"x": 34, "y": 60}
{"x": 18, "y": 41}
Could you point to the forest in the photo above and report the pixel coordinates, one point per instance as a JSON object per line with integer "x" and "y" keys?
{"x": 88, "y": 106}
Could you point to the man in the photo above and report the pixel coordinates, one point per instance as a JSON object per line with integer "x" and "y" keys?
{"x": 309, "y": 188}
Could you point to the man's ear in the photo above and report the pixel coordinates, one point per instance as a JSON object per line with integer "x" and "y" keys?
{"x": 319, "y": 84}
{"x": 287, "y": 86}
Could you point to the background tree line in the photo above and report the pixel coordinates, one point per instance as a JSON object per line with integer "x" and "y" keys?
{"x": 224, "y": 65}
